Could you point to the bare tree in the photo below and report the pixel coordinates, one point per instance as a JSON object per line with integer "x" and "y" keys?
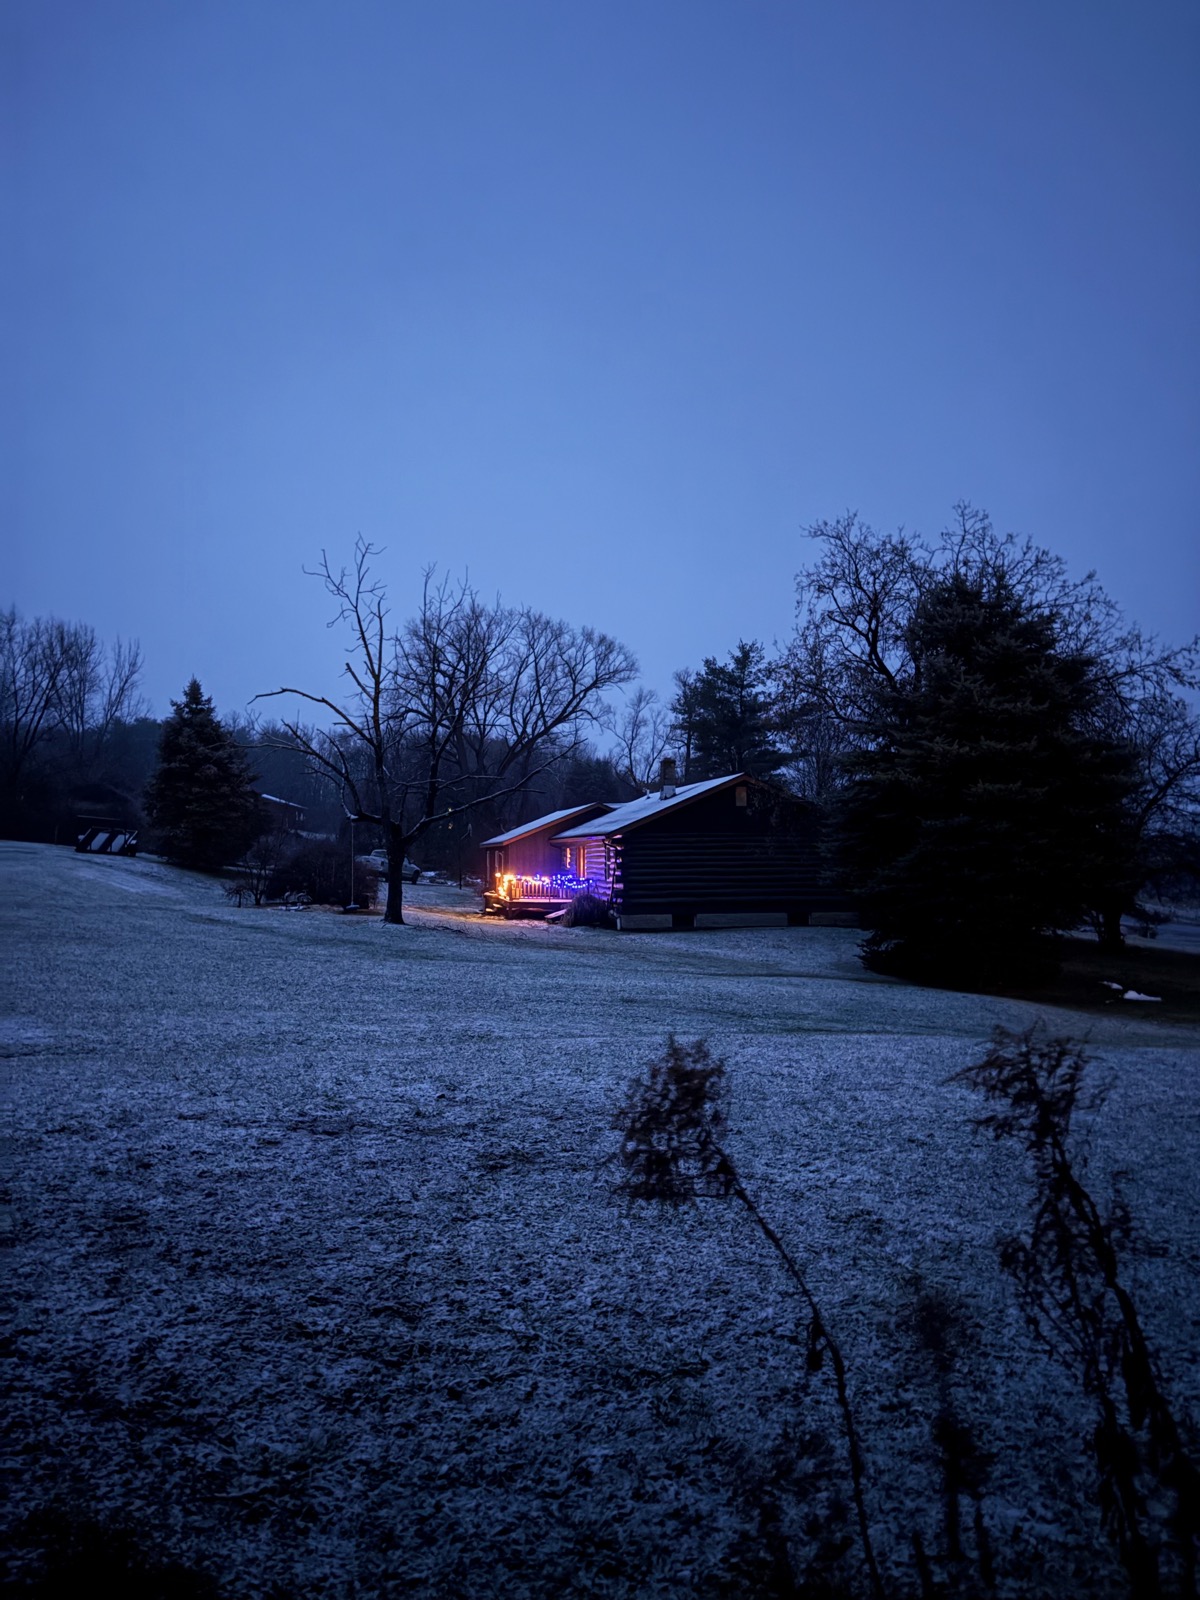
{"x": 855, "y": 602}
{"x": 853, "y": 607}
{"x": 817, "y": 737}
{"x": 97, "y": 688}
{"x": 464, "y": 704}
{"x": 57, "y": 679}
{"x": 643, "y": 732}
{"x": 31, "y": 670}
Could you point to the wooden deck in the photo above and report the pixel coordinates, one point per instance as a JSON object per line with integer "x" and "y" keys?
{"x": 530, "y": 895}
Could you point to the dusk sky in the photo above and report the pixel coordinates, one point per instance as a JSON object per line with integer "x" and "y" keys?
{"x": 603, "y": 302}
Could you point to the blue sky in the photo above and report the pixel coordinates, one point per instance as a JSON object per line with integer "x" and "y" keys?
{"x": 604, "y": 303}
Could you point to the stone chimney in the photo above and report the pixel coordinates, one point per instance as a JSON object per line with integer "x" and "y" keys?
{"x": 666, "y": 779}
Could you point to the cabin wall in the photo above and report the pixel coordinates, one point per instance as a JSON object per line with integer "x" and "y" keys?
{"x": 685, "y": 875}
{"x": 533, "y": 855}
{"x": 716, "y": 856}
{"x": 595, "y": 866}
{"x": 586, "y": 858}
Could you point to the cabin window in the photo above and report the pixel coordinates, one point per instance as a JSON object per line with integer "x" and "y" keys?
{"x": 739, "y": 795}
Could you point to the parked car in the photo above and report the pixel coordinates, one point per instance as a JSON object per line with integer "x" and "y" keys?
{"x": 377, "y": 860}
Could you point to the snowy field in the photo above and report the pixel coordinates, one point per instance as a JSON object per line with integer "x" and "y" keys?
{"x": 322, "y": 1290}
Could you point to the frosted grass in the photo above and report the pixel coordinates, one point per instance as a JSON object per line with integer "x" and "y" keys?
{"x": 320, "y": 1282}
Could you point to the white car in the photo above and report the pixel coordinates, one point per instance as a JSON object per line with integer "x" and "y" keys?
{"x": 377, "y": 860}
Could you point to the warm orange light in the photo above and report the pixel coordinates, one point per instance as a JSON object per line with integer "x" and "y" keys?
{"x": 529, "y": 885}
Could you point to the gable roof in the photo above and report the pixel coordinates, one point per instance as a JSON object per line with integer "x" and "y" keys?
{"x": 549, "y": 820}
{"x": 634, "y": 812}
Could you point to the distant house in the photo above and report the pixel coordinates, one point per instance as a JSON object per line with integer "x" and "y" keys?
{"x": 285, "y": 815}
{"x": 525, "y": 874}
{"x": 728, "y": 851}
{"x": 724, "y": 852}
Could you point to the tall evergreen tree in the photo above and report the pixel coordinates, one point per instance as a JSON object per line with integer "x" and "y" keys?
{"x": 202, "y": 801}
{"x": 856, "y": 603}
{"x": 724, "y": 716}
{"x": 986, "y": 809}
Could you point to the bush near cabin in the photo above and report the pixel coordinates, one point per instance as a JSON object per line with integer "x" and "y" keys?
{"x": 587, "y": 911}
{"x": 320, "y": 869}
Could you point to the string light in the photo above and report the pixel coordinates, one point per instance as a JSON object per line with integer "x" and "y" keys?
{"x": 542, "y": 886}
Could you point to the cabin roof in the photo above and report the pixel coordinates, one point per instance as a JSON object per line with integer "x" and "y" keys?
{"x": 551, "y": 819}
{"x": 634, "y": 812}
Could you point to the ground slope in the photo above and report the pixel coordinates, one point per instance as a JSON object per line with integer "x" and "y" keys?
{"x": 321, "y": 1287}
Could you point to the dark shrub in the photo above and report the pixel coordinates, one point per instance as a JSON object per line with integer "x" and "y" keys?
{"x": 66, "y": 1554}
{"x": 320, "y": 869}
{"x": 587, "y": 911}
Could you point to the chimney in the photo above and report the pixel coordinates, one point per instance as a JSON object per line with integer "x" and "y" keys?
{"x": 666, "y": 779}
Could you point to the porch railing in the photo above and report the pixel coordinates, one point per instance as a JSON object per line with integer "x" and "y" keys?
{"x": 557, "y": 886}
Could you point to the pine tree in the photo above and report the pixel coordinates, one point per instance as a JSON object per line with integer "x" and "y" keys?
{"x": 856, "y": 602}
{"x": 201, "y": 800}
{"x": 724, "y": 714}
{"x": 986, "y": 809}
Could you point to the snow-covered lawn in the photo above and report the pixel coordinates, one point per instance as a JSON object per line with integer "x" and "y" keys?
{"x": 321, "y": 1286}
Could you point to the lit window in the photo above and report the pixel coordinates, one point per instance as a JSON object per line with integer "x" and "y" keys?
{"x": 739, "y": 795}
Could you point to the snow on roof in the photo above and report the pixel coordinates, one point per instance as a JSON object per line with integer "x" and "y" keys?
{"x": 634, "y": 812}
{"x": 537, "y": 824}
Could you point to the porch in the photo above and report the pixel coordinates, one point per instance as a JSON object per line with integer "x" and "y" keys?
{"x": 537, "y": 894}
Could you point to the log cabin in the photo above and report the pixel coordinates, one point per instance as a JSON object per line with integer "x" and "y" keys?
{"x": 729, "y": 851}
{"x": 525, "y": 874}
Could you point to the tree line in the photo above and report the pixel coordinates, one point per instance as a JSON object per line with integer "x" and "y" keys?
{"x": 71, "y": 717}
{"x": 1000, "y": 754}
{"x": 453, "y": 723}
{"x": 995, "y": 752}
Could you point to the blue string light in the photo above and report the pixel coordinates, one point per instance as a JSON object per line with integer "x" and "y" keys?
{"x": 552, "y": 886}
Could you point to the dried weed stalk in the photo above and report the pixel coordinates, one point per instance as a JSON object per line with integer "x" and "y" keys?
{"x": 1066, "y": 1269}
{"x": 672, "y": 1124}
{"x": 939, "y": 1331}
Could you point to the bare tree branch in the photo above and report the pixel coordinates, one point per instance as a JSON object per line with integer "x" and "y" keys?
{"x": 462, "y": 705}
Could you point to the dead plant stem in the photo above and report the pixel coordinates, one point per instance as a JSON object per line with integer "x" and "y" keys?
{"x": 821, "y": 1332}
